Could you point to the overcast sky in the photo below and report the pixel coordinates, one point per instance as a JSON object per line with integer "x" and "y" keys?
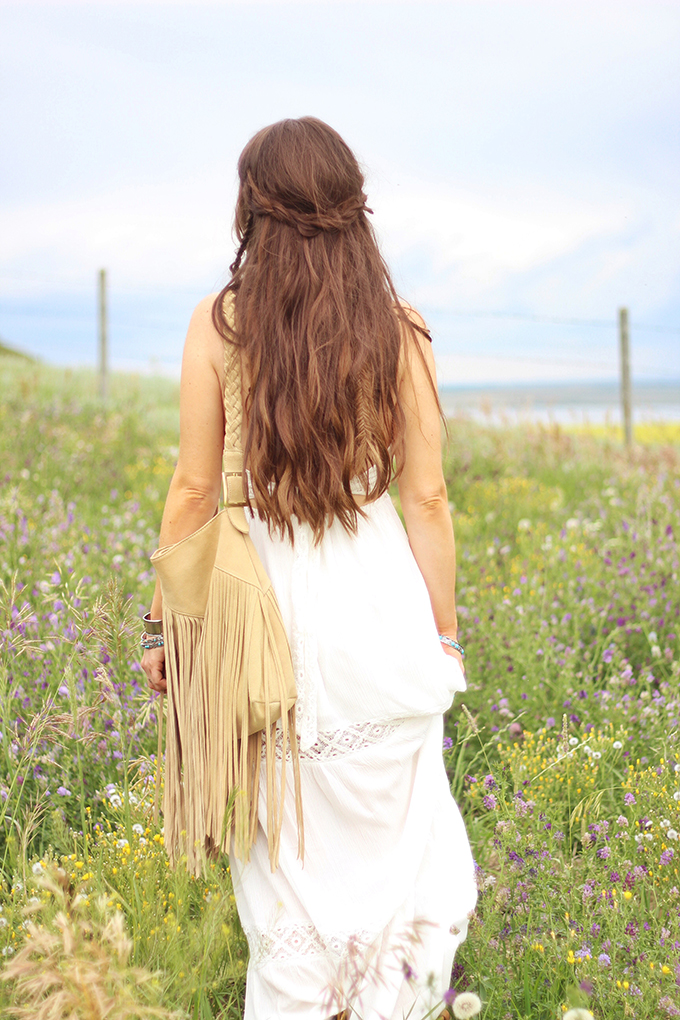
{"x": 522, "y": 160}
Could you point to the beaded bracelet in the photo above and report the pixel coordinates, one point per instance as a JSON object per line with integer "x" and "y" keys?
{"x": 451, "y": 643}
{"x": 152, "y": 640}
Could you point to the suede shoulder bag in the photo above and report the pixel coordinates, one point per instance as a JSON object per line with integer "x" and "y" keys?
{"x": 230, "y": 682}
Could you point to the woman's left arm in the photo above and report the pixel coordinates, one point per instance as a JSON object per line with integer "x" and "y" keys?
{"x": 194, "y": 491}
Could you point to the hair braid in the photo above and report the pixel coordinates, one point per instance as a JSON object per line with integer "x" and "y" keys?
{"x": 308, "y": 224}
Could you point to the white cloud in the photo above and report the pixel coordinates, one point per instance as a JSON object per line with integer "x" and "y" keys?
{"x": 166, "y": 234}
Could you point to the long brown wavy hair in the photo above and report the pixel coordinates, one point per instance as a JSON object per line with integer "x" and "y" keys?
{"x": 320, "y": 328}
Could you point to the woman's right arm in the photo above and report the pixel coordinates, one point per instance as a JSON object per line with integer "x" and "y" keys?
{"x": 422, "y": 488}
{"x": 195, "y": 487}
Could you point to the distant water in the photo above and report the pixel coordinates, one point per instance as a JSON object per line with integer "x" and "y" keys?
{"x": 565, "y": 403}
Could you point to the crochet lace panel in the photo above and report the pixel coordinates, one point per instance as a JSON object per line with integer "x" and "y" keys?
{"x": 281, "y": 944}
{"x": 340, "y": 743}
{"x": 334, "y": 744}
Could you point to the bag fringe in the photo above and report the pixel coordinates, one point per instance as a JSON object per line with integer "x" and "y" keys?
{"x": 213, "y": 760}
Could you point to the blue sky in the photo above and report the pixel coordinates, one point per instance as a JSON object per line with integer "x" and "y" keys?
{"x": 522, "y": 160}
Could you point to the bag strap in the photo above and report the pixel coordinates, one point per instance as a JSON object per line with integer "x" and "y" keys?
{"x": 233, "y": 401}
{"x": 232, "y": 455}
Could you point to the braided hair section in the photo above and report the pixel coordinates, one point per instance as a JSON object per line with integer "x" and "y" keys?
{"x": 308, "y": 224}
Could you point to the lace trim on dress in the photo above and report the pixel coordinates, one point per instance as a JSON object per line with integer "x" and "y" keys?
{"x": 286, "y": 943}
{"x": 334, "y": 744}
{"x": 340, "y": 743}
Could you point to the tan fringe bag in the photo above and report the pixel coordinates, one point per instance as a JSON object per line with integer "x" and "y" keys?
{"x": 229, "y": 676}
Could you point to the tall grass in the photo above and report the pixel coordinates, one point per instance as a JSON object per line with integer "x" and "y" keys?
{"x": 565, "y": 758}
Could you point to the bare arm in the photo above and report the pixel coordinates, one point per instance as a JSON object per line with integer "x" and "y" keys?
{"x": 194, "y": 491}
{"x": 422, "y": 489}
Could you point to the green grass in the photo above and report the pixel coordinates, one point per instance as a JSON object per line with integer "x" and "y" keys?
{"x": 564, "y": 763}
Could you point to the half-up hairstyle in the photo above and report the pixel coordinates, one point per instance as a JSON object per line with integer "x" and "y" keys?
{"x": 320, "y": 328}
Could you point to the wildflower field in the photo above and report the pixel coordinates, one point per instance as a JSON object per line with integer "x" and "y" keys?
{"x": 563, "y": 754}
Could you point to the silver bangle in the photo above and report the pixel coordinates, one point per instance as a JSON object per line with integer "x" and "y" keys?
{"x": 452, "y": 644}
{"x": 152, "y": 626}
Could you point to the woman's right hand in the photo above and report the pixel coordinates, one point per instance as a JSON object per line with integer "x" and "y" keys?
{"x": 153, "y": 664}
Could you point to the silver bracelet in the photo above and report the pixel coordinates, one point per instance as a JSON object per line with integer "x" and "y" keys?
{"x": 452, "y": 644}
{"x": 152, "y": 640}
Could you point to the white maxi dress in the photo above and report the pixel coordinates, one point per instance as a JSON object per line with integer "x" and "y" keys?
{"x": 372, "y": 917}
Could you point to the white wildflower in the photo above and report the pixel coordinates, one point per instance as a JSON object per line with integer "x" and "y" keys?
{"x": 573, "y": 741}
{"x": 676, "y": 795}
{"x": 465, "y": 1005}
{"x": 139, "y": 829}
{"x": 122, "y": 843}
{"x": 617, "y": 745}
{"x": 597, "y": 754}
{"x": 37, "y": 868}
{"x": 672, "y": 834}
{"x": 578, "y": 1014}
{"x": 664, "y": 823}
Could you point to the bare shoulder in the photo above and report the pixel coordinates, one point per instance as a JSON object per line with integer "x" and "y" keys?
{"x": 416, "y": 340}
{"x": 415, "y": 316}
{"x": 203, "y": 341}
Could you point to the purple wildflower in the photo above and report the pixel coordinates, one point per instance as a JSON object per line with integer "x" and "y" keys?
{"x": 490, "y": 802}
{"x": 629, "y": 798}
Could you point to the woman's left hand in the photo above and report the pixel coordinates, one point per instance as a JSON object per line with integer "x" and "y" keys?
{"x": 456, "y": 655}
{"x": 153, "y": 664}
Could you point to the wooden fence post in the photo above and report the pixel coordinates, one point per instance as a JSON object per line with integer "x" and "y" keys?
{"x": 103, "y": 338}
{"x": 626, "y": 401}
